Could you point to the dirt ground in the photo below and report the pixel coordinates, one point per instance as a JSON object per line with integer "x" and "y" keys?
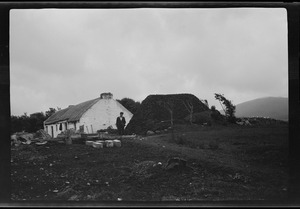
{"x": 223, "y": 164}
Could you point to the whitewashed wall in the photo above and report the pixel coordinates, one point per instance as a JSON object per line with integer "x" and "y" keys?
{"x": 72, "y": 125}
{"x": 102, "y": 115}
{"x": 56, "y": 130}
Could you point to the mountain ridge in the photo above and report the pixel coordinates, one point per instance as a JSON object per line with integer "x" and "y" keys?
{"x": 273, "y": 107}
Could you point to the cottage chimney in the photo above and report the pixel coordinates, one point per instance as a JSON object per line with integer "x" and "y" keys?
{"x": 106, "y": 95}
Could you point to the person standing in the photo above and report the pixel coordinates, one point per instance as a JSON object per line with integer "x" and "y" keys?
{"x": 121, "y": 123}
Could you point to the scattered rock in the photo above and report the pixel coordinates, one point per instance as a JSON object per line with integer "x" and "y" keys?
{"x": 150, "y": 132}
{"x": 21, "y": 138}
{"x": 66, "y": 192}
{"x": 74, "y": 197}
{"x": 42, "y": 135}
{"x": 14, "y": 137}
{"x": 175, "y": 163}
{"x": 170, "y": 198}
{"x": 146, "y": 169}
{"x": 41, "y": 143}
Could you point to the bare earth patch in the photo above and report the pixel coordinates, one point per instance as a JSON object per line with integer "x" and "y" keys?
{"x": 224, "y": 163}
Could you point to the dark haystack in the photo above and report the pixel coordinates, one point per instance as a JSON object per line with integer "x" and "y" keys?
{"x": 154, "y": 116}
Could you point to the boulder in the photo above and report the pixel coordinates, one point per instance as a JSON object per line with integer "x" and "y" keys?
{"x": 42, "y": 134}
{"x": 175, "y": 163}
{"x": 150, "y": 132}
{"x": 14, "y": 137}
{"x": 26, "y": 136}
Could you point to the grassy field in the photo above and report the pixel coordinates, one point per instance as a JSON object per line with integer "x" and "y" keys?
{"x": 224, "y": 163}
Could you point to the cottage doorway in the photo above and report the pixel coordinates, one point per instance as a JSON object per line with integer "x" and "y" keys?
{"x": 52, "y": 134}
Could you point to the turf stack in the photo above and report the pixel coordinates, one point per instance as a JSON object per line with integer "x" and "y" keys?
{"x": 151, "y": 114}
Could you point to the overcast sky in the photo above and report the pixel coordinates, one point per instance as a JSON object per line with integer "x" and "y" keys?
{"x": 60, "y": 57}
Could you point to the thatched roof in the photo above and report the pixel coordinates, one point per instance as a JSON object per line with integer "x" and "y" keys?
{"x": 72, "y": 113}
{"x": 151, "y": 112}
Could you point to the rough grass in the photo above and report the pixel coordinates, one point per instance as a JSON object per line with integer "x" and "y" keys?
{"x": 226, "y": 163}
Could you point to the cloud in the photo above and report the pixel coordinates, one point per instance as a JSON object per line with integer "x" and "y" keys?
{"x": 61, "y": 57}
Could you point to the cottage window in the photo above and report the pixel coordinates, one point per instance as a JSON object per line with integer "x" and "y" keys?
{"x": 81, "y": 128}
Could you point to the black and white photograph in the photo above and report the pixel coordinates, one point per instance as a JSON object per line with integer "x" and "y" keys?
{"x": 149, "y": 105}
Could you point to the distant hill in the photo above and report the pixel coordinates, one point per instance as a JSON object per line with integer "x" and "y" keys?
{"x": 273, "y": 107}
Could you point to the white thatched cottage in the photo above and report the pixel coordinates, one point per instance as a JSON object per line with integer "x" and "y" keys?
{"x": 89, "y": 116}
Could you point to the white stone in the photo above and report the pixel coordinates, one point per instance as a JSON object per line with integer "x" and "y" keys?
{"x": 117, "y": 143}
{"x": 97, "y": 145}
{"x": 109, "y": 143}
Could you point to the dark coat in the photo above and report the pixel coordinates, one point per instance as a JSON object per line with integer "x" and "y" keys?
{"x": 120, "y": 123}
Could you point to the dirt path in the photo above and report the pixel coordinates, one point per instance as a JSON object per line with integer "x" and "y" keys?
{"x": 219, "y": 159}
